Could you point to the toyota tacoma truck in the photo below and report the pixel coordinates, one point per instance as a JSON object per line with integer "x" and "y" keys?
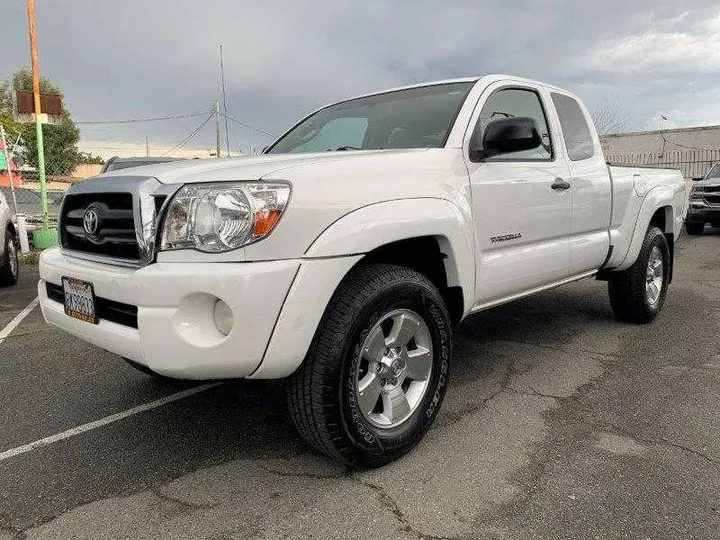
{"x": 343, "y": 256}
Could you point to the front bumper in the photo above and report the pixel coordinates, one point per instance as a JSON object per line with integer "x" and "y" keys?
{"x": 175, "y": 334}
{"x": 700, "y": 211}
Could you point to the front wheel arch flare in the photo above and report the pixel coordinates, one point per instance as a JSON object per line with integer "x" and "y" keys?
{"x": 376, "y": 225}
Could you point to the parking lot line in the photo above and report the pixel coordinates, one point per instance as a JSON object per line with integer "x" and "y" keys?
{"x": 7, "y": 454}
{"x": 5, "y": 332}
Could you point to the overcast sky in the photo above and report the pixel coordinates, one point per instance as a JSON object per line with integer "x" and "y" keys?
{"x": 139, "y": 58}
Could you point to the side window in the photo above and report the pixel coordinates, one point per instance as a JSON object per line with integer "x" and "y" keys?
{"x": 578, "y": 139}
{"x": 342, "y": 132}
{"x": 514, "y": 102}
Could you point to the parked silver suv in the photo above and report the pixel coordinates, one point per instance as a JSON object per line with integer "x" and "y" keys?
{"x": 9, "y": 264}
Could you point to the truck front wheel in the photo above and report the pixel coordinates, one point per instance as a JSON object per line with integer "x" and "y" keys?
{"x": 638, "y": 293}
{"x": 377, "y": 369}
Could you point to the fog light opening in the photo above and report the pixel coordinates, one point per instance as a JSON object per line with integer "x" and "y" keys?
{"x": 223, "y": 317}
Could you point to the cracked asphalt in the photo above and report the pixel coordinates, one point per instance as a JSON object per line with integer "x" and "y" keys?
{"x": 559, "y": 423}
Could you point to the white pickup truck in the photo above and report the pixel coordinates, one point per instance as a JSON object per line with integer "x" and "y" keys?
{"x": 343, "y": 256}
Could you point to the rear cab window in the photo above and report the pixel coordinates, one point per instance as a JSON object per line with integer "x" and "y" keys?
{"x": 577, "y": 134}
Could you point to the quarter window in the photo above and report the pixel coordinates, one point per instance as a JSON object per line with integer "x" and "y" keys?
{"x": 515, "y": 102}
{"x": 578, "y": 139}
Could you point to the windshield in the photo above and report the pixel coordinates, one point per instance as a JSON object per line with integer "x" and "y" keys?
{"x": 413, "y": 118}
{"x": 714, "y": 172}
{"x": 22, "y": 195}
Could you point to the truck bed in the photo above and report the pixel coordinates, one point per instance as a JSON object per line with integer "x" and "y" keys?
{"x": 645, "y": 181}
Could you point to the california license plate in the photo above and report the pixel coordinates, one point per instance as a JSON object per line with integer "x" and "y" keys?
{"x": 79, "y": 300}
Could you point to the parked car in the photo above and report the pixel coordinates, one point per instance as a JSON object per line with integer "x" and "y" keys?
{"x": 116, "y": 163}
{"x": 28, "y": 203}
{"x": 343, "y": 257}
{"x": 55, "y": 197}
{"x": 704, "y": 202}
{"x": 9, "y": 263}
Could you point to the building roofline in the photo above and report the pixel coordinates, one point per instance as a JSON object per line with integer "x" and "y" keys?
{"x": 654, "y": 131}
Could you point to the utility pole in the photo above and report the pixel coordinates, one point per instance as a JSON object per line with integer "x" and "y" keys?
{"x": 222, "y": 76}
{"x": 217, "y": 129}
{"x": 147, "y": 145}
{"x": 45, "y": 238}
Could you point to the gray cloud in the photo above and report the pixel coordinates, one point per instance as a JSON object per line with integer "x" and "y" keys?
{"x": 283, "y": 58}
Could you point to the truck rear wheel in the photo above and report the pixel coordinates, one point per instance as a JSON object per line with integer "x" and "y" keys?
{"x": 9, "y": 263}
{"x": 638, "y": 293}
{"x": 377, "y": 369}
{"x": 694, "y": 228}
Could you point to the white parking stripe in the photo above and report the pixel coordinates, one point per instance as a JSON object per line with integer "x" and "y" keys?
{"x": 7, "y": 454}
{"x": 5, "y": 332}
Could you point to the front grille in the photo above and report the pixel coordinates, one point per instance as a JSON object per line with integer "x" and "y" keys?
{"x": 114, "y": 232}
{"x": 109, "y": 310}
{"x": 713, "y": 199}
{"x": 711, "y": 189}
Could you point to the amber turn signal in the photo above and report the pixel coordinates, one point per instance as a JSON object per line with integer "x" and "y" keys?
{"x": 264, "y": 221}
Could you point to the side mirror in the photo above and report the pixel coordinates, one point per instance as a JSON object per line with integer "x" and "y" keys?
{"x": 503, "y": 136}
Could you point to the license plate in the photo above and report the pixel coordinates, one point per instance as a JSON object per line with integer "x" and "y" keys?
{"x": 79, "y": 300}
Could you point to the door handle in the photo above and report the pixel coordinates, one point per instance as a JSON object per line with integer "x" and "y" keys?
{"x": 561, "y": 184}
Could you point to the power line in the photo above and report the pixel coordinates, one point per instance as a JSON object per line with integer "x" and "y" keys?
{"x": 135, "y": 120}
{"x": 249, "y": 126}
{"x": 190, "y": 136}
{"x": 667, "y": 141}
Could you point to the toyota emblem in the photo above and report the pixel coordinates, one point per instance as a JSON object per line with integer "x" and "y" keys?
{"x": 91, "y": 221}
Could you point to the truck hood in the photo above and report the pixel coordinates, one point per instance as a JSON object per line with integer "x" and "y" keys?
{"x": 325, "y": 187}
{"x": 244, "y": 168}
{"x": 710, "y": 182}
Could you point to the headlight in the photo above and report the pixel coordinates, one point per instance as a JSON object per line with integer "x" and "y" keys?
{"x": 222, "y": 216}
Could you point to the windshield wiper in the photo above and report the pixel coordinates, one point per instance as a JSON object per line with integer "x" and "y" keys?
{"x": 343, "y": 148}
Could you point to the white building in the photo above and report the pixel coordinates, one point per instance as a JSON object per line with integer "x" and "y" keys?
{"x": 693, "y": 150}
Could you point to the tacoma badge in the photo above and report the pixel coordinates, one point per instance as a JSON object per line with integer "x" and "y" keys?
{"x": 505, "y": 237}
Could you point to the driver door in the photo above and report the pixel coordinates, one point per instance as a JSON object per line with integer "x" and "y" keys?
{"x": 521, "y": 212}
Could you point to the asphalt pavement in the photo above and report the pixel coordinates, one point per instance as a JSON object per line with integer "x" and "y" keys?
{"x": 559, "y": 423}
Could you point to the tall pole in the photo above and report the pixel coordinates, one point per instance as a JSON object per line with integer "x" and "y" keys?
{"x": 217, "y": 129}
{"x": 38, "y": 123}
{"x": 222, "y": 76}
{"x": 147, "y": 145}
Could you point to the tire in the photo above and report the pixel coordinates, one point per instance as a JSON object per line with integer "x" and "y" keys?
{"x": 694, "y": 228}
{"x": 632, "y": 297}
{"x": 10, "y": 264}
{"x": 350, "y": 348}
